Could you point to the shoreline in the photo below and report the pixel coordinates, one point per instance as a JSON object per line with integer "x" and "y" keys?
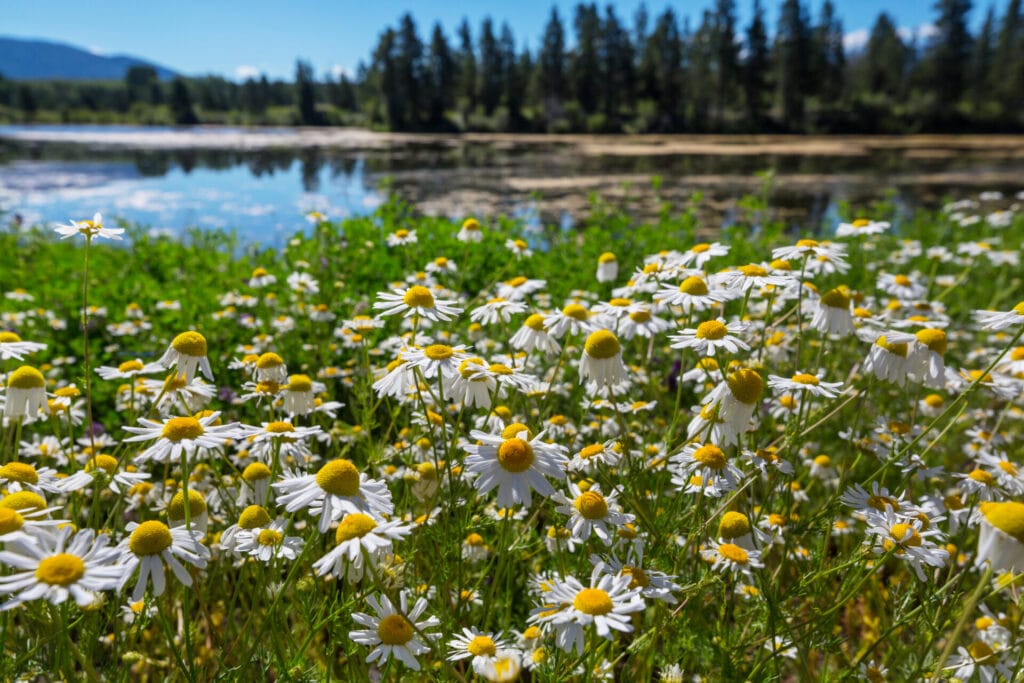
{"x": 265, "y": 138}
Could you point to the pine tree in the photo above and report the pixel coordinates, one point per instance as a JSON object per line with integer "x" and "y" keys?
{"x": 409, "y": 74}
{"x": 585, "y": 67}
{"x": 618, "y": 75}
{"x": 725, "y": 54}
{"x": 981, "y": 81}
{"x": 305, "y": 94}
{"x": 181, "y": 104}
{"x": 466, "y": 87}
{"x": 1008, "y": 66}
{"x": 884, "y": 67}
{"x": 829, "y": 64}
{"x": 949, "y": 55}
{"x": 491, "y": 86}
{"x": 441, "y": 76}
{"x": 700, "y": 51}
{"x": 757, "y": 70}
{"x": 666, "y": 47}
{"x": 792, "y": 46}
{"x": 551, "y": 79}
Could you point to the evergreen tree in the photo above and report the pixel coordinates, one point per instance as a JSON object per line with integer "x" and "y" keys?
{"x": 885, "y": 64}
{"x": 700, "y": 50}
{"x": 181, "y": 104}
{"x": 829, "y": 63}
{"x": 491, "y": 82}
{"x": 585, "y": 66}
{"x": 142, "y": 84}
{"x": 551, "y": 80}
{"x": 386, "y": 77}
{"x": 725, "y": 54}
{"x": 409, "y": 70}
{"x": 305, "y": 94}
{"x": 466, "y": 88}
{"x": 618, "y": 74}
{"x": 666, "y": 47}
{"x": 1008, "y": 66}
{"x": 441, "y": 71}
{"x": 756, "y": 70}
{"x": 981, "y": 81}
{"x": 949, "y": 55}
{"x": 792, "y": 46}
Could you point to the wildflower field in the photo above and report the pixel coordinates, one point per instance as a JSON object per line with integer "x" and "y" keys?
{"x": 404, "y": 448}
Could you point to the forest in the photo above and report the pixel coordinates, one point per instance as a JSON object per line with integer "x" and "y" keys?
{"x": 598, "y": 72}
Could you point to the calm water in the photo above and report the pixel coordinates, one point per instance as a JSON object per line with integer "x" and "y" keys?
{"x": 261, "y": 183}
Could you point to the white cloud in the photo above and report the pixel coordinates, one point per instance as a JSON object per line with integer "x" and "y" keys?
{"x": 97, "y": 50}
{"x": 856, "y": 40}
{"x": 921, "y": 33}
{"x": 337, "y": 70}
{"x": 246, "y": 71}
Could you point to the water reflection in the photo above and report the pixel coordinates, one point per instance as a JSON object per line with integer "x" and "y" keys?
{"x": 263, "y": 191}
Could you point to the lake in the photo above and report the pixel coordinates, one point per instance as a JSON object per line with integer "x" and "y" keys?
{"x": 260, "y": 182}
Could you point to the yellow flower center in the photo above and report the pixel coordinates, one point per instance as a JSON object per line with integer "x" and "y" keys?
{"x": 438, "y": 352}
{"x": 196, "y": 505}
{"x": 516, "y": 428}
{"x": 280, "y": 427}
{"x": 255, "y": 472}
{"x": 807, "y": 244}
{"x": 861, "y": 223}
{"x": 20, "y": 472}
{"x": 880, "y": 502}
{"x": 401, "y": 234}
{"x": 475, "y": 540}
{"x": 591, "y": 450}
{"x": 1007, "y": 516}
{"x": 982, "y": 623}
{"x": 259, "y": 272}
{"x": 619, "y": 302}
{"x": 8, "y": 337}
{"x": 804, "y": 378}
{"x": 354, "y": 525}
{"x": 395, "y": 629}
{"x": 639, "y": 577}
{"x": 253, "y": 517}
{"x": 640, "y": 316}
{"x": 535, "y": 322}
{"x": 710, "y": 456}
{"x": 753, "y": 270}
{"x": 150, "y": 538}
{"x": 933, "y": 339}
{"x": 593, "y": 601}
{"x": 982, "y": 477}
{"x": 602, "y": 345}
{"x": 1019, "y": 308}
{"x": 712, "y": 329}
{"x": 895, "y": 349}
{"x": 576, "y": 312}
{"x": 823, "y": 461}
{"x": 182, "y": 428}
{"x": 733, "y": 525}
{"x": 902, "y": 280}
{"x": 733, "y": 553}
{"x": 339, "y": 477}
{"x": 300, "y": 383}
{"x": 981, "y": 652}
{"x": 190, "y": 344}
{"x": 26, "y": 501}
{"x": 591, "y": 505}
{"x": 745, "y": 385}
{"x": 26, "y": 377}
{"x": 515, "y": 455}
{"x": 62, "y": 569}
{"x": 700, "y": 248}
{"x": 10, "y": 521}
{"x": 500, "y": 369}
{"x": 482, "y": 645}
{"x": 269, "y": 537}
{"x": 471, "y": 224}
{"x": 418, "y": 296}
{"x": 837, "y": 298}
{"x": 268, "y": 361}
{"x": 606, "y": 257}
{"x": 520, "y": 244}
{"x": 693, "y": 286}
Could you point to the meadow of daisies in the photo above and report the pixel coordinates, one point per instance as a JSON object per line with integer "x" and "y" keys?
{"x": 404, "y": 448}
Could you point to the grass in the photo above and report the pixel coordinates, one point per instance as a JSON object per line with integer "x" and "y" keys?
{"x": 835, "y": 596}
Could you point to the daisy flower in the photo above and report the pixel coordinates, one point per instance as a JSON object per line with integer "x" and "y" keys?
{"x": 752, "y": 276}
{"x": 401, "y": 238}
{"x": 832, "y": 313}
{"x": 709, "y": 336}
{"x": 470, "y": 231}
{"x": 861, "y": 226}
{"x": 908, "y": 538}
{"x": 337, "y": 488}
{"x": 807, "y": 248}
{"x": 298, "y": 395}
{"x": 806, "y": 384}
{"x": 393, "y": 631}
{"x": 129, "y": 369}
{"x": 902, "y": 287}
{"x": 1001, "y": 536}
{"x": 496, "y": 310}
{"x": 12, "y": 347}
{"x": 707, "y": 461}
{"x": 519, "y": 248}
{"x": 641, "y": 322}
{"x": 282, "y": 437}
{"x": 436, "y": 359}
{"x": 570, "y": 607}
{"x": 1000, "y": 320}
{"x": 90, "y": 229}
{"x": 653, "y": 585}
{"x": 481, "y": 646}
{"x": 360, "y": 537}
{"x": 515, "y": 464}
{"x": 56, "y": 567}
{"x": 520, "y": 287}
{"x": 699, "y": 254}
{"x": 589, "y": 457}
{"x": 602, "y": 360}
{"x": 693, "y": 294}
{"x": 174, "y": 436}
{"x": 533, "y": 336}
{"x": 887, "y": 358}
{"x": 925, "y": 361}
{"x": 26, "y": 392}
{"x": 150, "y": 545}
{"x": 415, "y": 301}
{"x": 607, "y": 267}
{"x": 591, "y": 512}
{"x": 187, "y": 352}
{"x": 730, "y": 558}
{"x": 573, "y": 319}
{"x": 729, "y": 407}
{"x": 980, "y": 658}
{"x": 261, "y": 278}
{"x": 269, "y": 543}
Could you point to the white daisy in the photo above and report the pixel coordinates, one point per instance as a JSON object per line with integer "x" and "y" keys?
{"x": 394, "y": 631}
{"x": 591, "y": 512}
{"x": 805, "y": 383}
{"x": 12, "y": 347}
{"x": 360, "y": 537}
{"x": 515, "y": 464}
{"x": 710, "y": 336}
{"x": 187, "y": 352}
{"x": 195, "y": 437}
{"x": 337, "y": 488}
{"x": 415, "y": 301}
{"x": 90, "y": 229}
{"x": 601, "y": 363}
{"x": 151, "y": 544}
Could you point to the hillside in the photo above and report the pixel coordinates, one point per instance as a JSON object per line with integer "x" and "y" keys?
{"x": 26, "y": 59}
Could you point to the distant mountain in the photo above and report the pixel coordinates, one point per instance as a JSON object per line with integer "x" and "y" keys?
{"x": 25, "y": 59}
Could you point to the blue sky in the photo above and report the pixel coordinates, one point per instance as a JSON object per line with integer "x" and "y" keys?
{"x": 235, "y": 38}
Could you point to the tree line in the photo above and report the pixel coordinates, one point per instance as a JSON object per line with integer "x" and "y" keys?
{"x": 597, "y": 72}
